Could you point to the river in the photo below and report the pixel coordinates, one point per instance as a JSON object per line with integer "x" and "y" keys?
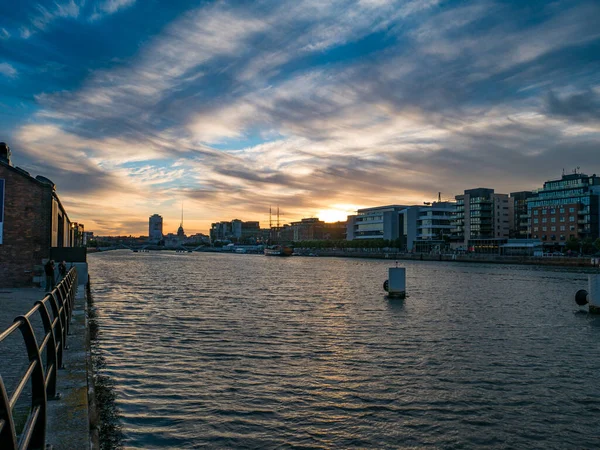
{"x": 247, "y": 351}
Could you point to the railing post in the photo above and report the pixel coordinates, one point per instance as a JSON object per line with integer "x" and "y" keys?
{"x": 38, "y": 384}
{"x": 57, "y": 335}
{"x": 51, "y": 357}
{"x": 8, "y": 436}
{"x": 63, "y": 316}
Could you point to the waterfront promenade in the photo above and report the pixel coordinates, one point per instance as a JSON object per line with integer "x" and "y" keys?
{"x": 68, "y": 425}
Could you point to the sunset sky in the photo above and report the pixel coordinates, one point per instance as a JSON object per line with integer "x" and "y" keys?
{"x": 321, "y": 107}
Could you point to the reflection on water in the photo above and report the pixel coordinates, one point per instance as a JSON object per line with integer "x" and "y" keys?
{"x": 241, "y": 351}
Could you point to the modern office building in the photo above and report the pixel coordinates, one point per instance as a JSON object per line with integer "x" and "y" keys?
{"x": 33, "y": 223}
{"x": 481, "y": 221}
{"x": 520, "y": 225}
{"x": 380, "y": 222}
{"x": 155, "y": 229}
{"x": 428, "y": 227}
{"x": 565, "y": 208}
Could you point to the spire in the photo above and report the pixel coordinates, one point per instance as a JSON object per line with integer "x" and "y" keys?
{"x": 180, "y": 232}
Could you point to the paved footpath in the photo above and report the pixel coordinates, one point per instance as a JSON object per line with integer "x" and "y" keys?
{"x": 68, "y": 418}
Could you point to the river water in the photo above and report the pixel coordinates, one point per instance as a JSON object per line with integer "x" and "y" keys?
{"x": 247, "y": 351}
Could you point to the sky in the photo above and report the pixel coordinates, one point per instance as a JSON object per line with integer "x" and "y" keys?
{"x": 136, "y": 107}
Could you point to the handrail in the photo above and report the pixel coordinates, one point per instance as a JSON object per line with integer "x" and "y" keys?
{"x": 55, "y": 320}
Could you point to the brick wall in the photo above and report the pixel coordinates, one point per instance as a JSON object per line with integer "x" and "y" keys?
{"x": 27, "y": 213}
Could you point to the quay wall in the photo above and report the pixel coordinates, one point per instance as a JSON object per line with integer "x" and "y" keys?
{"x": 471, "y": 258}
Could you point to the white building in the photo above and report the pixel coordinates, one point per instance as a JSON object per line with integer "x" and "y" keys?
{"x": 380, "y": 222}
{"x": 428, "y": 226}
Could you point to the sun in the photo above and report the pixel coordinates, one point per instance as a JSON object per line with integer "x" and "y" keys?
{"x": 334, "y": 215}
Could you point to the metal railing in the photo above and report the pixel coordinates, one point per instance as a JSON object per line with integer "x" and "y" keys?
{"x": 55, "y": 310}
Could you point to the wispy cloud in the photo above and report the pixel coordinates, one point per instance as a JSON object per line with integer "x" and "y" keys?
{"x": 8, "y": 70}
{"x": 310, "y": 104}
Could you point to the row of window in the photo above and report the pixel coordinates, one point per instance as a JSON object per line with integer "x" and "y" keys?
{"x": 553, "y": 211}
{"x": 553, "y": 219}
{"x": 562, "y": 228}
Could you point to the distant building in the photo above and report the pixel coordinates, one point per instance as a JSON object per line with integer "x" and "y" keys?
{"x": 380, "y": 222}
{"x": 78, "y": 232}
{"x": 565, "y": 208}
{"x": 481, "y": 221}
{"x": 155, "y": 229}
{"x": 520, "y": 225}
{"x": 220, "y": 231}
{"x": 237, "y": 231}
{"x": 88, "y": 236}
{"x": 197, "y": 239}
{"x": 426, "y": 228}
{"x": 32, "y": 221}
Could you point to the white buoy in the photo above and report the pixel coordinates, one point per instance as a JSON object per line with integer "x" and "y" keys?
{"x": 594, "y": 293}
{"x": 396, "y": 285}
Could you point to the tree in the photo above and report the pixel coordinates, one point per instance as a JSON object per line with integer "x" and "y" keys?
{"x": 572, "y": 244}
{"x": 597, "y": 244}
{"x": 587, "y": 246}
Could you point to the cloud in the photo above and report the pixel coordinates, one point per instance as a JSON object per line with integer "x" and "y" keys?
{"x": 7, "y": 70}
{"x": 308, "y": 104}
{"x": 43, "y": 16}
{"x": 580, "y": 107}
{"x": 107, "y": 7}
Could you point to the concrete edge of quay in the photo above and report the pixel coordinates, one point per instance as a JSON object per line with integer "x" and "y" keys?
{"x": 581, "y": 262}
{"x": 73, "y": 418}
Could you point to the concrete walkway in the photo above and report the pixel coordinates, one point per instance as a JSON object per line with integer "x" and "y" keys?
{"x": 68, "y": 417}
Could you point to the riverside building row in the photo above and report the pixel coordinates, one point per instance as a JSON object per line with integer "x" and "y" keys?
{"x": 34, "y": 225}
{"x": 483, "y": 221}
{"x": 478, "y": 220}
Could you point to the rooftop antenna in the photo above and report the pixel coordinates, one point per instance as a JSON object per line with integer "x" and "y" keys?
{"x": 270, "y": 218}
{"x": 278, "y": 217}
{"x": 181, "y": 215}
{"x": 439, "y": 196}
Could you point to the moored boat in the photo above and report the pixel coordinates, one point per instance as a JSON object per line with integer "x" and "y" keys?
{"x": 278, "y": 250}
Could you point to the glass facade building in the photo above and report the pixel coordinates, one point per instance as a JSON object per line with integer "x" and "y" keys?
{"x": 564, "y": 209}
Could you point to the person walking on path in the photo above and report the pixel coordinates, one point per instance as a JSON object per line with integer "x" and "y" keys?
{"x": 62, "y": 269}
{"x": 49, "y": 269}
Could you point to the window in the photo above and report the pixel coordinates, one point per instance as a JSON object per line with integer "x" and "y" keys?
{"x": 553, "y": 211}
{"x": 544, "y": 228}
{"x": 562, "y": 218}
{"x": 562, "y": 228}
{"x": 535, "y": 229}
{"x": 544, "y": 220}
{"x": 571, "y": 210}
{"x": 552, "y": 228}
{"x": 562, "y": 210}
{"x": 536, "y": 212}
{"x": 562, "y": 237}
{"x": 553, "y": 219}
{"x": 544, "y": 212}
{"x": 536, "y": 220}
{"x": 572, "y": 228}
{"x": 571, "y": 218}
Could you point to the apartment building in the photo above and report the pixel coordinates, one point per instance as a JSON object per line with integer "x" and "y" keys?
{"x": 565, "y": 208}
{"x": 482, "y": 220}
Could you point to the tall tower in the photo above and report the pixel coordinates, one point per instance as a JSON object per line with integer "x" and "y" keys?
{"x": 155, "y": 231}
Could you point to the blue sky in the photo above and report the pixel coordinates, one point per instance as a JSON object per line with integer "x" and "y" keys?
{"x": 133, "y": 107}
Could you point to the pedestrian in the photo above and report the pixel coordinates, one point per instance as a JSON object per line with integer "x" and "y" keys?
{"x": 62, "y": 269}
{"x": 49, "y": 269}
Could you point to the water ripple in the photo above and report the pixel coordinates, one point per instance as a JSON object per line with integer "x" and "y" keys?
{"x": 244, "y": 351}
